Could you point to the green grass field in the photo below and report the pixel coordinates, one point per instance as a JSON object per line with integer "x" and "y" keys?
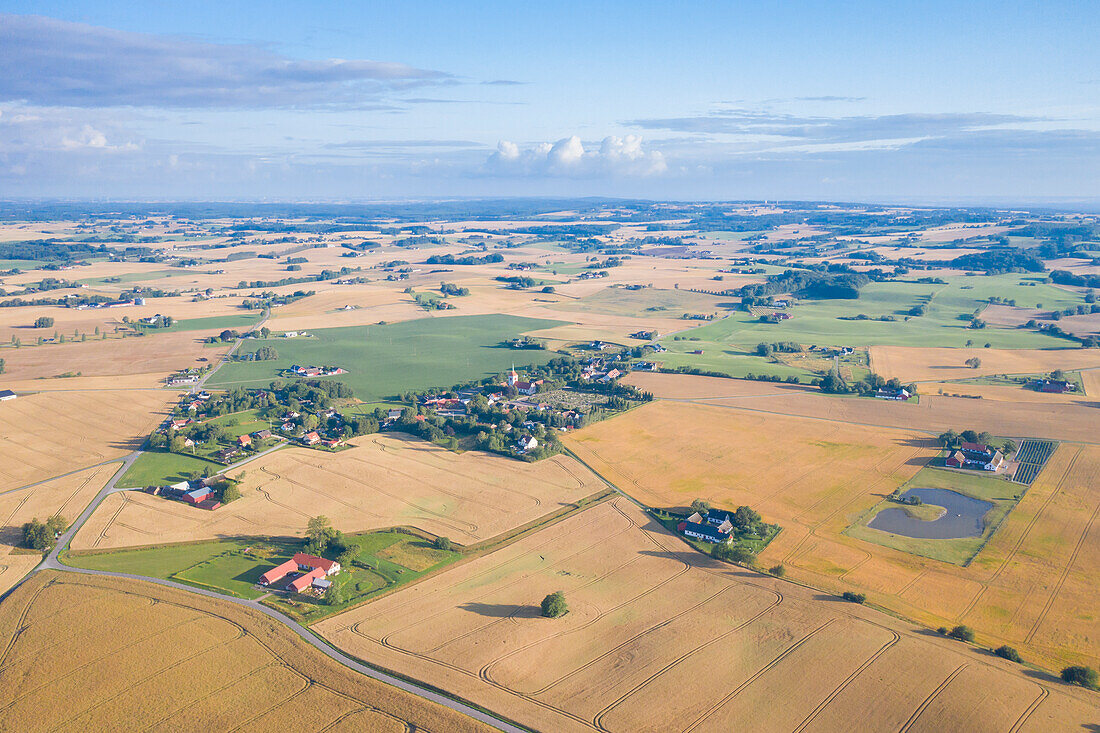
{"x": 383, "y": 361}
{"x": 649, "y": 303}
{"x": 821, "y": 321}
{"x": 241, "y": 322}
{"x": 157, "y": 468}
{"x": 235, "y": 566}
{"x": 1004, "y": 495}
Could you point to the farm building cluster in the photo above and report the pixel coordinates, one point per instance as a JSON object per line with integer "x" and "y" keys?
{"x": 975, "y": 456}
{"x": 314, "y": 371}
{"x": 202, "y": 493}
{"x": 307, "y": 573}
{"x": 715, "y": 526}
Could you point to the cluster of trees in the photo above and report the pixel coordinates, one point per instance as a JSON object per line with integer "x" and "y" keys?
{"x": 265, "y": 300}
{"x": 43, "y": 322}
{"x": 518, "y": 282}
{"x": 48, "y": 249}
{"x": 266, "y": 353}
{"x": 808, "y": 284}
{"x": 1087, "y": 342}
{"x": 951, "y": 439}
{"x": 464, "y": 260}
{"x": 996, "y": 261}
{"x": 789, "y": 347}
{"x": 452, "y": 289}
{"x": 319, "y": 277}
{"x": 525, "y": 342}
{"x": 834, "y": 383}
{"x": 43, "y": 536}
{"x": 1065, "y": 277}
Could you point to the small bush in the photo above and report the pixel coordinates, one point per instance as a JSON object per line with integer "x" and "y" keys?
{"x": 1007, "y": 652}
{"x": 442, "y": 543}
{"x": 853, "y": 597}
{"x": 554, "y": 605}
{"x": 1082, "y": 676}
{"x": 778, "y": 571}
{"x": 942, "y": 631}
{"x": 962, "y": 633}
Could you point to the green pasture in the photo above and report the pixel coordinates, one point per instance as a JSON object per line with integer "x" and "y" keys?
{"x": 385, "y": 360}
{"x": 158, "y": 468}
{"x": 648, "y": 303}
{"x": 1003, "y": 494}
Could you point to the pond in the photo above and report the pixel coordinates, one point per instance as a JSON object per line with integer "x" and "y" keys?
{"x": 964, "y": 517}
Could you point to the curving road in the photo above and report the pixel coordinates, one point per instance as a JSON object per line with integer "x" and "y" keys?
{"x": 53, "y": 562}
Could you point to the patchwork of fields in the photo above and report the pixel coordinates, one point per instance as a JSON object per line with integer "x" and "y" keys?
{"x": 386, "y": 481}
{"x": 659, "y": 637}
{"x": 185, "y": 662}
{"x": 816, "y": 478}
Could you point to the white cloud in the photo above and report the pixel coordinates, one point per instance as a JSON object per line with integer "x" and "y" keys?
{"x": 613, "y": 157}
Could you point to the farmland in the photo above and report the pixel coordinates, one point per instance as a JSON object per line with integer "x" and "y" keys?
{"x": 50, "y": 433}
{"x": 387, "y": 360}
{"x": 650, "y": 618}
{"x": 386, "y": 481}
{"x": 818, "y": 478}
{"x": 185, "y": 662}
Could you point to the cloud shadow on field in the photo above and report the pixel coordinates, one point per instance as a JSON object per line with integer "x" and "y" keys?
{"x": 501, "y": 610}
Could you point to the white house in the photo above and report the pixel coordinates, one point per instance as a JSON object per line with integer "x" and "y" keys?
{"x": 6, "y": 394}
{"x": 527, "y": 443}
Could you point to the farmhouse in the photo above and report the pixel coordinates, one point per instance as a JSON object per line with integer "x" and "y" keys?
{"x": 527, "y": 443}
{"x": 244, "y": 441}
{"x": 313, "y": 571}
{"x": 1055, "y": 386}
{"x": 311, "y": 438}
{"x": 886, "y": 393}
{"x": 6, "y": 394}
{"x": 975, "y": 456}
{"x": 702, "y": 531}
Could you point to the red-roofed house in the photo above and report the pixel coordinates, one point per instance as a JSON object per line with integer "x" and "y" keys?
{"x": 278, "y": 572}
{"x": 311, "y": 438}
{"x": 244, "y": 440}
{"x": 309, "y": 562}
{"x": 305, "y": 580}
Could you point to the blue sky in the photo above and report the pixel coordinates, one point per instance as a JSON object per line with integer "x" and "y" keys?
{"x": 931, "y": 102}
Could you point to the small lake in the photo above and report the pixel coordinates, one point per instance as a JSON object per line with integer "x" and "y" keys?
{"x": 964, "y": 517}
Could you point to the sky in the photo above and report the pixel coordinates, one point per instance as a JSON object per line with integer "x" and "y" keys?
{"x": 933, "y": 102}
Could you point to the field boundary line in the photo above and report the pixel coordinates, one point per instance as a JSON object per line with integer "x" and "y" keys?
{"x": 932, "y": 696}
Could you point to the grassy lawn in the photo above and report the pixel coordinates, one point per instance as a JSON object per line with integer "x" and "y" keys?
{"x": 386, "y": 360}
{"x": 155, "y": 468}
{"x": 725, "y": 358}
{"x": 1004, "y": 495}
{"x": 384, "y": 560}
{"x": 648, "y": 302}
{"x": 241, "y": 322}
{"x": 821, "y": 321}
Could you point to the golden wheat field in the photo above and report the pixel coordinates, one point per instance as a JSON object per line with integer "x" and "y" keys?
{"x": 386, "y": 481}
{"x": 90, "y": 653}
{"x": 50, "y": 433}
{"x": 659, "y": 637}
{"x": 919, "y": 364}
{"x": 1074, "y": 419}
{"x": 66, "y": 496}
{"x": 161, "y": 354}
{"x": 816, "y": 478}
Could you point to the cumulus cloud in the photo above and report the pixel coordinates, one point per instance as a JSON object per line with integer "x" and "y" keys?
{"x": 568, "y": 157}
{"x": 50, "y": 129}
{"x": 51, "y": 62}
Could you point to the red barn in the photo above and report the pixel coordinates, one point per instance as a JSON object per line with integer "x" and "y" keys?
{"x": 278, "y": 572}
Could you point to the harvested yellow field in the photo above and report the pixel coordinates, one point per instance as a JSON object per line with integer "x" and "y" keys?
{"x": 138, "y": 656}
{"x": 1075, "y": 419}
{"x": 660, "y": 637}
{"x": 161, "y": 353}
{"x": 385, "y": 481}
{"x": 50, "y": 433}
{"x": 917, "y": 364}
{"x": 1026, "y": 588}
{"x": 66, "y": 496}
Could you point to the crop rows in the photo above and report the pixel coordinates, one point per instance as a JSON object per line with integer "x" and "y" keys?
{"x": 1032, "y": 456}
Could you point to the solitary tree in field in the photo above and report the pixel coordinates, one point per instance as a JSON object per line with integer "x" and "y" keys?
{"x": 1083, "y": 676}
{"x": 554, "y": 605}
{"x": 43, "y": 322}
{"x": 1007, "y": 652}
{"x": 973, "y": 362}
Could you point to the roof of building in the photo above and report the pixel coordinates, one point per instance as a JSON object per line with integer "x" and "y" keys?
{"x": 974, "y": 447}
{"x": 304, "y": 580}
{"x": 312, "y": 561}
{"x": 719, "y": 516}
{"x": 6, "y": 393}
{"x": 279, "y": 571}
{"x": 704, "y": 529}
